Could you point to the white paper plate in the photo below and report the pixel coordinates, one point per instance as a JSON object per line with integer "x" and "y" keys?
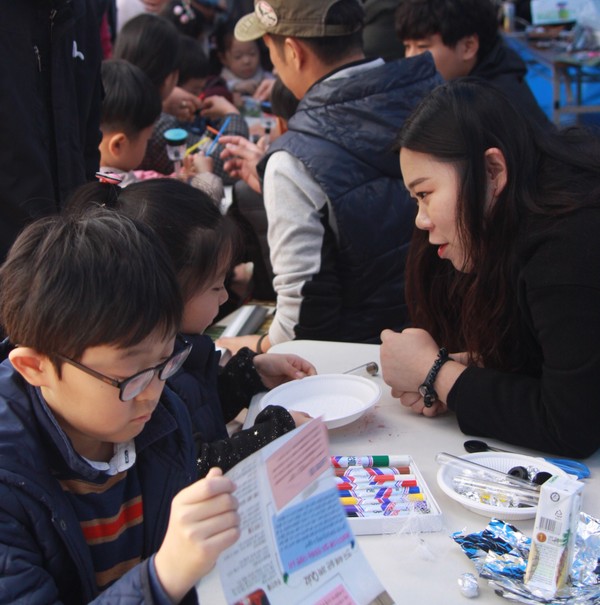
{"x": 499, "y": 461}
{"x": 338, "y": 398}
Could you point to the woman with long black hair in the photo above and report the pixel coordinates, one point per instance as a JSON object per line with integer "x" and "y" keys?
{"x": 504, "y": 269}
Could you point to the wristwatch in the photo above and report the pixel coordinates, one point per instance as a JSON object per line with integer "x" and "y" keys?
{"x": 426, "y": 389}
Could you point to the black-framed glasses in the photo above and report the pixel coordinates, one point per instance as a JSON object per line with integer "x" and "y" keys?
{"x": 131, "y": 387}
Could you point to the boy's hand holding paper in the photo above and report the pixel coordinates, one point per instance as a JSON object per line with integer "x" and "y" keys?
{"x": 203, "y": 522}
{"x": 296, "y": 545}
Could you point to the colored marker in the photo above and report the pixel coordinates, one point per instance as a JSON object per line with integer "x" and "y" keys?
{"x": 216, "y": 139}
{"x": 382, "y": 481}
{"x": 390, "y": 509}
{"x": 373, "y": 500}
{"x": 411, "y": 482}
{"x": 385, "y": 481}
{"x": 399, "y": 507}
{"x": 346, "y": 461}
{"x": 195, "y": 146}
{"x": 375, "y": 492}
{"x": 376, "y": 479}
{"x": 345, "y": 483}
{"x": 368, "y": 471}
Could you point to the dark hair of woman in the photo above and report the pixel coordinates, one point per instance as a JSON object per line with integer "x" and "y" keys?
{"x": 549, "y": 174}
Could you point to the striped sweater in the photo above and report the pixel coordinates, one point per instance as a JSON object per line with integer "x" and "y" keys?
{"x": 111, "y": 517}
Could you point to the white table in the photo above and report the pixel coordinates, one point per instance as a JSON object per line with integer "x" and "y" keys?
{"x": 420, "y": 568}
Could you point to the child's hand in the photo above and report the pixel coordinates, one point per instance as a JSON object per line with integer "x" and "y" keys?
{"x": 247, "y": 87}
{"x": 300, "y": 417}
{"x": 216, "y": 107}
{"x": 275, "y": 369}
{"x": 203, "y": 523}
{"x": 187, "y": 170}
{"x": 203, "y": 163}
{"x": 181, "y": 104}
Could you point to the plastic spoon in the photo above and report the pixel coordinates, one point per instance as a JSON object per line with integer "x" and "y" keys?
{"x": 572, "y": 467}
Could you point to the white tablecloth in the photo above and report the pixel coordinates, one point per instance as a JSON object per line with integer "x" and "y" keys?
{"x": 419, "y": 568}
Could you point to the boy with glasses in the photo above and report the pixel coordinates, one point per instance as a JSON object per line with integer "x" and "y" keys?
{"x": 97, "y": 464}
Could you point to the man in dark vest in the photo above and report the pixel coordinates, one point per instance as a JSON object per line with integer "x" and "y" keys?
{"x": 339, "y": 218}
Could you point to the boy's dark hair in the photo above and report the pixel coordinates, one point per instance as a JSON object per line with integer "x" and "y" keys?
{"x": 333, "y": 49}
{"x": 452, "y": 19}
{"x": 193, "y": 61}
{"x": 152, "y": 43}
{"x": 283, "y": 101}
{"x": 131, "y": 102}
{"x": 201, "y": 242}
{"x": 74, "y": 282}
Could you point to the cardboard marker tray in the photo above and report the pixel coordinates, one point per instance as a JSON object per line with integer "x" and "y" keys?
{"x": 405, "y": 522}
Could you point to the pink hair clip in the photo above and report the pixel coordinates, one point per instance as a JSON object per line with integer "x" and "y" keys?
{"x": 110, "y": 178}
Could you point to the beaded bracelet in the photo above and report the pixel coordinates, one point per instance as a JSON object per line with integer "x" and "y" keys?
{"x": 426, "y": 390}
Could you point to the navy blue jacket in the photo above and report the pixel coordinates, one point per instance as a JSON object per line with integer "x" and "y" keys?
{"x": 44, "y": 558}
{"x": 343, "y": 132}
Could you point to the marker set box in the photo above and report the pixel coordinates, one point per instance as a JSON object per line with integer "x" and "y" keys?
{"x": 385, "y": 495}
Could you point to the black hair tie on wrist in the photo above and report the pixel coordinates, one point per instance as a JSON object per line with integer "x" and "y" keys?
{"x": 426, "y": 389}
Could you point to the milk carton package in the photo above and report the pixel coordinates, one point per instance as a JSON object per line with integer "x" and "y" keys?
{"x": 554, "y": 534}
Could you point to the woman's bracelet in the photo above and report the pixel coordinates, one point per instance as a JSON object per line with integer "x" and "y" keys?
{"x": 259, "y": 343}
{"x": 426, "y": 389}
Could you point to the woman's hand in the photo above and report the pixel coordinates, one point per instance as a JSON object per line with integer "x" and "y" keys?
{"x": 275, "y": 369}
{"x": 415, "y": 403}
{"x": 406, "y": 358}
